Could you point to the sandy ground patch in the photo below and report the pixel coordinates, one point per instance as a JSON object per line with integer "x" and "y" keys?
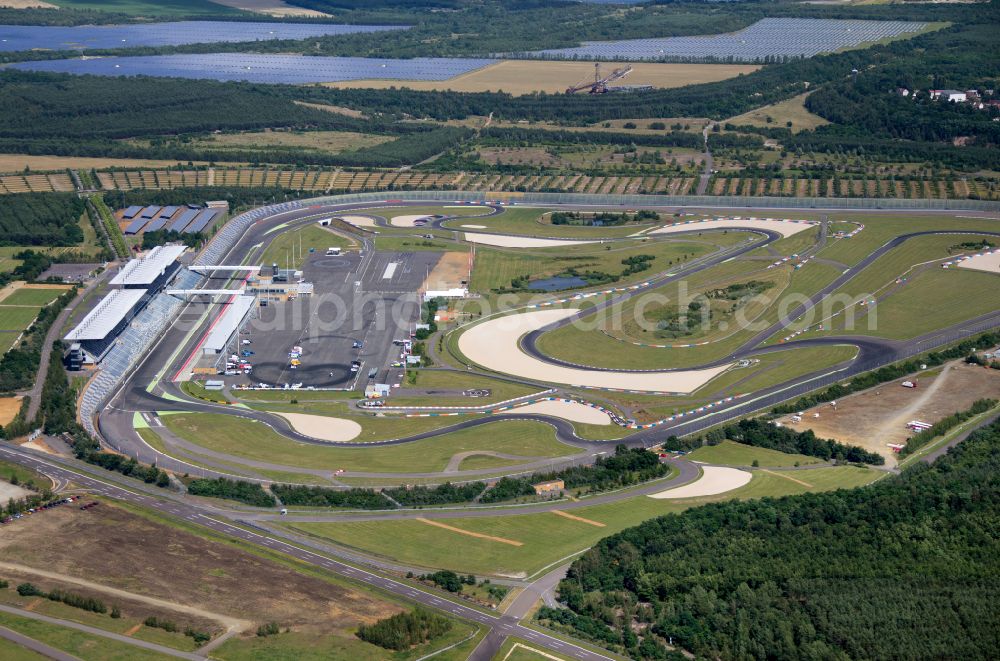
{"x": 358, "y": 221}
{"x": 406, "y": 221}
{"x": 8, "y": 491}
{"x": 269, "y": 7}
{"x": 519, "y": 77}
{"x": 988, "y": 262}
{"x": 875, "y": 418}
{"x": 494, "y": 345}
{"x": 783, "y": 227}
{"x": 40, "y": 445}
{"x": 567, "y": 515}
{"x": 572, "y": 411}
{"x": 518, "y": 241}
{"x": 335, "y": 430}
{"x": 438, "y": 524}
{"x": 9, "y": 406}
{"x": 474, "y": 227}
{"x": 713, "y": 481}
{"x": 450, "y": 272}
{"x": 27, "y": 4}
{"x": 46, "y": 286}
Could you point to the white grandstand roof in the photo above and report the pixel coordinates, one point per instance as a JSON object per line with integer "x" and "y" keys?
{"x": 146, "y": 269}
{"x": 228, "y": 322}
{"x": 112, "y": 309}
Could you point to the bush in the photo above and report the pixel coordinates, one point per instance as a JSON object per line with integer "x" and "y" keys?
{"x": 404, "y": 630}
{"x": 29, "y": 590}
{"x": 269, "y": 629}
{"x": 249, "y": 493}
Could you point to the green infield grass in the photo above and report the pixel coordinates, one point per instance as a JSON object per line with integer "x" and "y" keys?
{"x": 728, "y": 453}
{"x": 494, "y": 268}
{"x": 451, "y": 383}
{"x": 409, "y": 243}
{"x": 527, "y": 221}
{"x": 79, "y": 644}
{"x": 33, "y": 297}
{"x": 306, "y": 238}
{"x": 533, "y": 542}
{"x": 247, "y": 439}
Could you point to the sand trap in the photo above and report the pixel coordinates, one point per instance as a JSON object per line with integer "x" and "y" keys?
{"x": 518, "y": 241}
{"x": 335, "y": 430}
{"x": 783, "y": 227}
{"x": 989, "y": 262}
{"x": 494, "y": 345}
{"x": 474, "y": 227}
{"x": 572, "y": 411}
{"x": 406, "y": 221}
{"x": 358, "y": 221}
{"x": 714, "y": 480}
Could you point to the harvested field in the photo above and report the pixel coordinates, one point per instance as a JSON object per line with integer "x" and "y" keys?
{"x": 877, "y": 417}
{"x": 713, "y": 481}
{"x": 27, "y": 4}
{"x": 16, "y": 163}
{"x": 270, "y": 7}
{"x": 450, "y": 272}
{"x": 113, "y": 547}
{"x": 520, "y": 77}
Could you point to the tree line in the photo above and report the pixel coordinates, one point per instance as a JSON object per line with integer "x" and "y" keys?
{"x": 807, "y": 577}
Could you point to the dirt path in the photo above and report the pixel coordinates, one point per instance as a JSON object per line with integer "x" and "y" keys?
{"x": 491, "y": 538}
{"x": 787, "y": 477}
{"x": 231, "y": 623}
{"x": 906, "y": 414}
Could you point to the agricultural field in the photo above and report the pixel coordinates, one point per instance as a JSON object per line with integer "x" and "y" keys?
{"x": 307, "y": 141}
{"x": 523, "y": 545}
{"x": 158, "y": 8}
{"x": 519, "y": 77}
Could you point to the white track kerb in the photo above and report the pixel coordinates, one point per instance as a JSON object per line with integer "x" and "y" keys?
{"x": 493, "y": 344}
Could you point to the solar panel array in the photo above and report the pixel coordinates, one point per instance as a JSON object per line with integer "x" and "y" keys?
{"x": 150, "y": 212}
{"x": 781, "y": 37}
{"x": 26, "y": 37}
{"x": 183, "y": 220}
{"x": 288, "y": 69}
{"x": 136, "y": 225}
{"x": 131, "y": 211}
{"x": 201, "y": 221}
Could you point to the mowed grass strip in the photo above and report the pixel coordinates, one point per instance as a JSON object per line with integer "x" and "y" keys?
{"x": 35, "y": 296}
{"x": 549, "y": 539}
{"x": 15, "y": 318}
{"x": 246, "y": 439}
{"x": 729, "y": 453}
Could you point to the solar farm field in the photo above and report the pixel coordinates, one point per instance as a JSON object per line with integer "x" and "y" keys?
{"x": 767, "y": 38}
{"x": 271, "y": 69}
{"x": 28, "y": 37}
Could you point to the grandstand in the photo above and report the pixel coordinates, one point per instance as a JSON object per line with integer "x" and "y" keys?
{"x": 97, "y": 331}
{"x": 151, "y": 271}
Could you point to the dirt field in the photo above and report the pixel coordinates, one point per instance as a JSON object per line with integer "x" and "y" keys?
{"x": 451, "y": 272}
{"x": 520, "y": 77}
{"x": 15, "y": 163}
{"x": 269, "y": 7}
{"x": 27, "y": 4}
{"x": 877, "y": 417}
{"x": 118, "y": 549}
{"x": 9, "y": 406}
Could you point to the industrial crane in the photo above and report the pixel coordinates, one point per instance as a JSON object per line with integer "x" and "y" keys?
{"x": 600, "y": 84}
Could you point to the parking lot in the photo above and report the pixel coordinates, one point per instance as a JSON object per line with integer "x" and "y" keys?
{"x": 368, "y": 299}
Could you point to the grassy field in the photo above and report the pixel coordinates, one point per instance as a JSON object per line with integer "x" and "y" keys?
{"x": 414, "y": 244}
{"x": 527, "y": 221}
{"x": 791, "y": 110}
{"x": 547, "y": 538}
{"x": 33, "y": 297}
{"x": 325, "y": 141}
{"x": 12, "y": 652}
{"x": 729, "y": 453}
{"x": 79, "y": 644}
{"x": 247, "y": 439}
{"x": 519, "y": 77}
{"x": 495, "y": 268}
{"x": 17, "y": 318}
{"x": 592, "y": 347}
{"x": 308, "y": 237}
{"x": 158, "y": 8}
{"x": 451, "y": 381}
{"x": 9, "y": 470}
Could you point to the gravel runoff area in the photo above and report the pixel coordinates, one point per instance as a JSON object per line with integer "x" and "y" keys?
{"x": 989, "y": 262}
{"x": 505, "y": 241}
{"x": 335, "y": 430}
{"x": 784, "y": 227}
{"x": 713, "y": 481}
{"x": 407, "y": 221}
{"x": 572, "y": 411}
{"x": 359, "y": 221}
{"x": 493, "y": 344}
